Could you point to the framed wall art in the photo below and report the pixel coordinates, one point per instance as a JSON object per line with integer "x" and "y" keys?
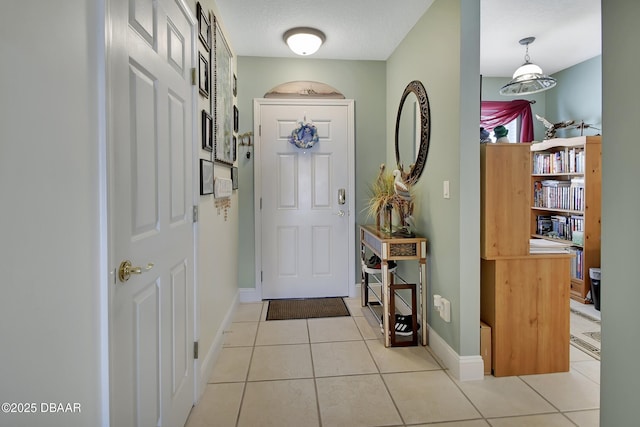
{"x": 234, "y": 178}
{"x": 235, "y": 148}
{"x": 204, "y": 27}
{"x": 206, "y": 177}
{"x": 236, "y": 119}
{"x": 223, "y": 103}
{"x": 203, "y": 80}
{"x": 207, "y": 131}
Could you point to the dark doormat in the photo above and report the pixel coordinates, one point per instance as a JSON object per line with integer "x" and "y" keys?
{"x": 286, "y": 309}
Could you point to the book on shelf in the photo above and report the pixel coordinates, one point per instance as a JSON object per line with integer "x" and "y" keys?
{"x": 543, "y": 246}
{"x": 543, "y": 224}
{"x": 552, "y": 194}
{"x": 560, "y": 227}
{"x": 564, "y": 161}
{"x": 576, "y": 194}
{"x": 577, "y": 263}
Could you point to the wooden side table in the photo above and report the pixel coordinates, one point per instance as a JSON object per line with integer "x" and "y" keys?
{"x": 394, "y": 248}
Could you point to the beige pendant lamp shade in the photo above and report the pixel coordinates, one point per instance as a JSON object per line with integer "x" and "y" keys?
{"x": 528, "y": 78}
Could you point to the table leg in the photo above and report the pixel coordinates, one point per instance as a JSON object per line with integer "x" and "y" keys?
{"x": 385, "y": 303}
{"x": 424, "y": 291}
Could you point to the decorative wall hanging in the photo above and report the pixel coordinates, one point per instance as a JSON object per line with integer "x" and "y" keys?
{"x": 234, "y": 178}
{"x": 204, "y": 27}
{"x": 305, "y": 135}
{"x": 207, "y": 128}
{"x": 245, "y": 141}
{"x": 223, "y": 104}
{"x": 236, "y": 119}
{"x": 222, "y": 193}
{"x": 234, "y": 147}
{"x": 203, "y": 80}
{"x": 223, "y": 205}
{"x": 206, "y": 177}
{"x": 304, "y": 89}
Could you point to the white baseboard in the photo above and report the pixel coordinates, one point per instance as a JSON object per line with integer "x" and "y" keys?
{"x": 464, "y": 368}
{"x": 213, "y": 352}
{"x": 255, "y": 295}
{"x": 250, "y": 295}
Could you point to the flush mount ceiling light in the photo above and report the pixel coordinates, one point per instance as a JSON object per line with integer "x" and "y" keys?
{"x": 304, "y": 40}
{"x": 528, "y": 78}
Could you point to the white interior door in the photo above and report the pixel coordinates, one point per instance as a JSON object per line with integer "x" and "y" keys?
{"x": 305, "y": 239}
{"x": 150, "y": 175}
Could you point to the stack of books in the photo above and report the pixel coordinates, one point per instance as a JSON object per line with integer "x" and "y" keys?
{"x": 543, "y": 246}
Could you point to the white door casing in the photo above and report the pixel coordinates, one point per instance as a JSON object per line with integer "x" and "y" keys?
{"x": 304, "y": 236}
{"x": 150, "y": 48}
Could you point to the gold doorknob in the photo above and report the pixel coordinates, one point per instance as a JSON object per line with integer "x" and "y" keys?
{"x": 126, "y": 270}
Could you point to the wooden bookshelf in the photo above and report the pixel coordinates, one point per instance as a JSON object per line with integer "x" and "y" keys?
{"x": 504, "y": 199}
{"x": 523, "y": 297}
{"x": 569, "y": 211}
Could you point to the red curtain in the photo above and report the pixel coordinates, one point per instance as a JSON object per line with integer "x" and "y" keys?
{"x": 495, "y": 113}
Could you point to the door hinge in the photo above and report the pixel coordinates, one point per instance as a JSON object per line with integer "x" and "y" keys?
{"x": 195, "y": 349}
{"x": 260, "y": 203}
{"x": 259, "y": 130}
{"x": 195, "y": 213}
{"x": 194, "y": 77}
{"x": 261, "y": 276}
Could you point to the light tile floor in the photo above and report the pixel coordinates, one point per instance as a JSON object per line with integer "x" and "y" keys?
{"x": 337, "y": 372}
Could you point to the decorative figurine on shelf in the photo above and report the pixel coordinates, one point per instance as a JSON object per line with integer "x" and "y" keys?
{"x": 501, "y": 133}
{"x": 484, "y": 136}
{"x": 553, "y": 127}
{"x": 403, "y": 204}
{"x": 582, "y": 126}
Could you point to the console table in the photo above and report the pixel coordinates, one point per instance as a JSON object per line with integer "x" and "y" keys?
{"x": 395, "y": 248}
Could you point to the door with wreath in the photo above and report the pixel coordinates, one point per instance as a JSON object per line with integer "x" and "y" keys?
{"x": 304, "y": 183}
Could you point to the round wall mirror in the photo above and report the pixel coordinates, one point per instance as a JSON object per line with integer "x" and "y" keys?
{"x": 413, "y": 131}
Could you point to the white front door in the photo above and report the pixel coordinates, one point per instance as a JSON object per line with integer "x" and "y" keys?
{"x": 305, "y": 221}
{"x": 150, "y": 123}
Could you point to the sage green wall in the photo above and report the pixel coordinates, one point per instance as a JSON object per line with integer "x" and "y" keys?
{"x": 620, "y": 376}
{"x": 578, "y": 96}
{"x": 442, "y": 51}
{"x": 363, "y": 81}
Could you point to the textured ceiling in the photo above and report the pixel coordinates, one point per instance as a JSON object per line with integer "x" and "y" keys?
{"x": 567, "y": 31}
{"x": 355, "y": 29}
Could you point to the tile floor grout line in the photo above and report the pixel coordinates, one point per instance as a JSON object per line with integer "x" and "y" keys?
{"x": 246, "y": 378}
{"x": 455, "y": 382}
{"x": 313, "y": 373}
{"x": 552, "y": 407}
{"x": 381, "y": 376}
{"x": 540, "y": 394}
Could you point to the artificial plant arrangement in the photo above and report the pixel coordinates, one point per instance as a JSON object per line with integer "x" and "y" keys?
{"x": 387, "y": 195}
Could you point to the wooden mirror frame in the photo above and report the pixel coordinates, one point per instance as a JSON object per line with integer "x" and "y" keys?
{"x": 416, "y": 169}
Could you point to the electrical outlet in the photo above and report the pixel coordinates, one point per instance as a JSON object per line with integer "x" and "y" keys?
{"x": 437, "y": 302}
{"x": 445, "y": 309}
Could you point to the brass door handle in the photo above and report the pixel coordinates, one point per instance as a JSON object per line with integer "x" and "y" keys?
{"x": 126, "y": 270}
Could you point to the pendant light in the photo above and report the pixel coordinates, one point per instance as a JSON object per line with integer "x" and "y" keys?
{"x": 528, "y": 78}
{"x": 304, "y": 40}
